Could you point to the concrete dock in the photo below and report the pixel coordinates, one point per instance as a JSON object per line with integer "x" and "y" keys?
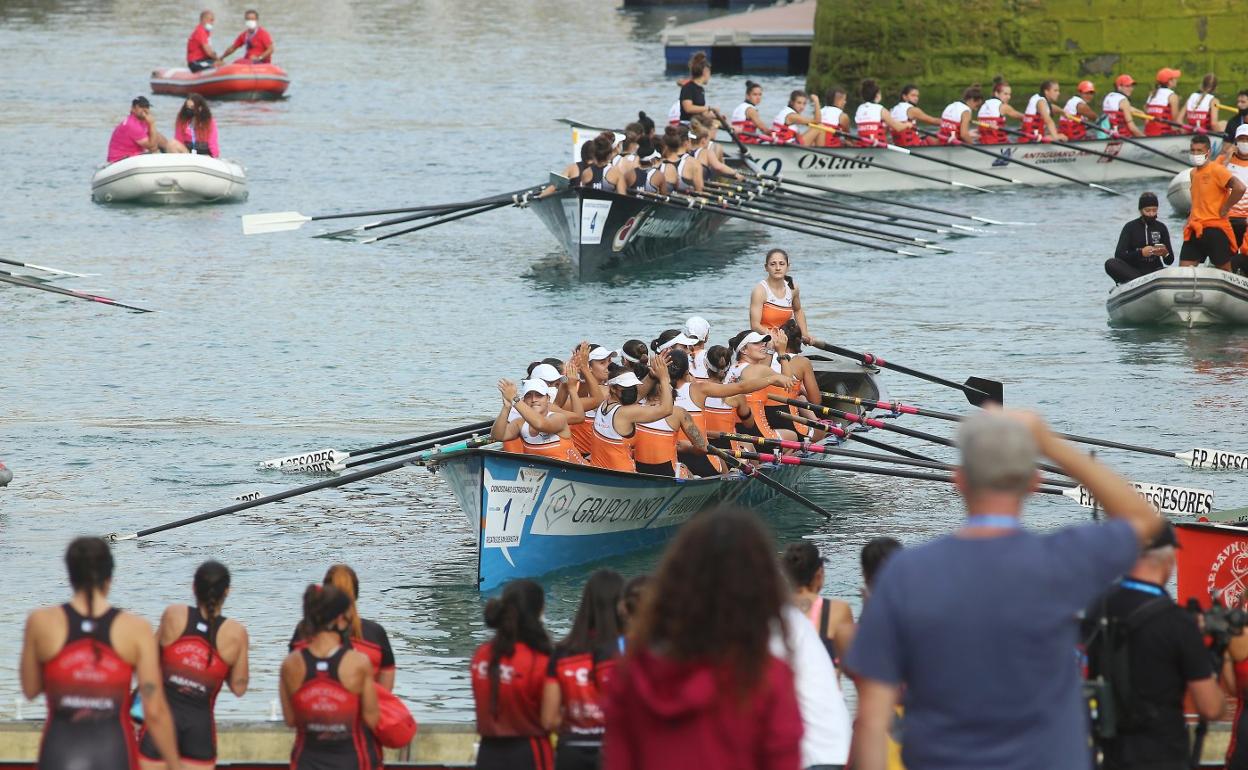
{"x": 775, "y": 40}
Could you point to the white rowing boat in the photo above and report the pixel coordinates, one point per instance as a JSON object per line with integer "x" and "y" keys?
{"x": 170, "y": 178}
{"x": 1180, "y": 296}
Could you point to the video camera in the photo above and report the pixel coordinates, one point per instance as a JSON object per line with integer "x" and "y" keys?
{"x": 1220, "y": 623}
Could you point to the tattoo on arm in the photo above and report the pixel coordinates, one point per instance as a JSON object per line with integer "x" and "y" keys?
{"x": 691, "y": 430}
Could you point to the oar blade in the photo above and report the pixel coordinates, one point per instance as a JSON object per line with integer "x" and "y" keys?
{"x": 1163, "y": 497}
{"x": 1214, "y": 459}
{"x": 274, "y": 222}
{"x": 980, "y": 391}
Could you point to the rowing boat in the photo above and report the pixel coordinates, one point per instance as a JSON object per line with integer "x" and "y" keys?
{"x": 532, "y": 515}
{"x": 1180, "y": 296}
{"x": 865, "y": 169}
{"x": 603, "y": 231}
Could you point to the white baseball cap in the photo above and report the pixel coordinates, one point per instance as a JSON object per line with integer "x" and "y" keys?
{"x": 624, "y": 379}
{"x": 679, "y": 339}
{"x": 546, "y": 373}
{"x": 751, "y": 338}
{"x": 536, "y": 386}
{"x": 599, "y": 353}
{"x": 697, "y": 326}
{"x": 1241, "y": 131}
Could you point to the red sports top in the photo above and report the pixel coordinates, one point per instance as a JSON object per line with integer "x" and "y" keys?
{"x": 330, "y": 729}
{"x": 257, "y": 42}
{"x": 582, "y": 685}
{"x": 518, "y": 710}
{"x": 197, "y": 45}
{"x": 375, "y": 644}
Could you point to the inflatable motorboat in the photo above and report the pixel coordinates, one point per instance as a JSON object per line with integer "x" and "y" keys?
{"x": 1179, "y": 193}
{"x": 1180, "y": 296}
{"x": 170, "y": 178}
{"x": 240, "y": 80}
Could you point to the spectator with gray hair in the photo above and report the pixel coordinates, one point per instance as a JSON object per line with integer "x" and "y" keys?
{"x": 979, "y": 627}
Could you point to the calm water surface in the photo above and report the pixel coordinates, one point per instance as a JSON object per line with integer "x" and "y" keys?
{"x": 267, "y": 345}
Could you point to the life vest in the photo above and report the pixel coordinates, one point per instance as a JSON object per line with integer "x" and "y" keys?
{"x": 610, "y": 449}
{"x": 1033, "y": 121}
{"x": 780, "y": 130}
{"x": 869, "y": 123}
{"x": 990, "y": 115}
{"x": 1158, "y": 107}
{"x": 550, "y": 445}
{"x": 1069, "y": 123}
{"x": 1111, "y": 105}
{"x": 1197, "y": 114}
{"x": 830, "y": 117}
{"x": 745, "y": 128}
{"x": 910, "y": 137}
{"x": 951, "y": 122}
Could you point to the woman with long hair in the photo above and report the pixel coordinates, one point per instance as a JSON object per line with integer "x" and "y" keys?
{"x": 792, "y": 126}
{"x": 870, "y": 119}
{"x": 579, "y": 672}
{"x": 699, "y": 686}
{"x": 1201, "y": 110}
{"x": 803, "y": 565}
{"x": 776, "y": 298}
{"x": 196, "y": 128}
{"x": 200, "y": 650}
{"x": 83, "y": 655}
{"x": 692, "y": 99}
{"x": 327, "y": 689}
{"x": 508, "y": 677}
{"x": 592, "y": 363}
{"x": 615, "y": 426}
{"x": 364, "y": 635}
{"x": 679, "y": 168}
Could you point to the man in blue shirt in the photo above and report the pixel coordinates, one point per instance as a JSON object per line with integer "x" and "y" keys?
{"x": 978, "y": 628}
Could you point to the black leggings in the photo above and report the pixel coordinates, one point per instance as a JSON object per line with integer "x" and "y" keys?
{"x": 656, "y": 469}
{"x": 1123, "y": 271}
{"x": 515, "y": 754}
{"x": 697, "y": 463}
{"x": 200, "y": 65}
{"x": 578, "y": 757}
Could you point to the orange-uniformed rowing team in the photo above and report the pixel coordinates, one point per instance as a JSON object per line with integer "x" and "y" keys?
{"x": 659, "y": 408}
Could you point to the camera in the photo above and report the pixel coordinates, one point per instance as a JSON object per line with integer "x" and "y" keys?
{"x": 1220, "y": 623}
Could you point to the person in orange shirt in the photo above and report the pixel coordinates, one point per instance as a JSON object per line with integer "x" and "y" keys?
{"x": 1236, "y": 162}
{"x": 615, "y": 426}
{"x": 542, "y": 430}
{"x": 1215, "y": 190}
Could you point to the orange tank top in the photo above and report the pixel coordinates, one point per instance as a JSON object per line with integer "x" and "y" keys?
{"x": 516, "y": 444}
{"x": 759, "y": 402}
{"x": 583, "y": 433}
{"x": 611, "y": 450}
{"x": 655, "y": 443}
{"x": 776, "y": 310}
{"x": 550, "y": 445}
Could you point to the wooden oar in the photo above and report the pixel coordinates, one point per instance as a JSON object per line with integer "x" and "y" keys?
{"x": 1070, "y": 146}
{"x": 1032, "y": 166}
{"x": 1196, "y": 457}
{"x": 433, "y": 212}
{"x": 7, "y": 277}
{"x": 978, "y": 390}
{"x": 316, "y": 457}
{"x": 33, "y": 266}
{"x": 757, "y": 475}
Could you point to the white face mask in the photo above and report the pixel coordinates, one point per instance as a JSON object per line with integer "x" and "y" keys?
{"x": 207, "y": 27}
{"x": 1242, "y": 147}
{"x": 1198, "y": 159}
{"x": 252, "y": 24}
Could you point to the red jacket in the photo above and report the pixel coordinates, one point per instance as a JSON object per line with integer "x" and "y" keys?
{"x": 663, "y": 715}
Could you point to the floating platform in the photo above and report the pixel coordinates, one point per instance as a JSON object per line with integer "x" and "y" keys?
{"x": 773, "y": 39}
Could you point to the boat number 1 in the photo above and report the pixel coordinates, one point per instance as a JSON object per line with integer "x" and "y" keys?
{"x": 506, "y": 514}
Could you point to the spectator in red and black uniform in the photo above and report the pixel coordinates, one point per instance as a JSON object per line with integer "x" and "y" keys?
{"x": 327, "y": 690}
{"x": 365, "y": 635}
{"x": 258, "y": 41}
{"x": 200, "y": 650}
{"x": 579, "y": 671}
{"x": 83, "y": 655}
{"x": 508, "y": 675}
{"x": 199, "y": 52}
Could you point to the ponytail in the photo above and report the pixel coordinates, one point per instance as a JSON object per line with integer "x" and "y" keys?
{"x": 516, "y": 617}
{"x": 212, "y": 580}
{"x": 89, "y": 562}
{"x": 698, "y": 64}
{"x": 344, "y": 579}
{"x": 321, "y": 605}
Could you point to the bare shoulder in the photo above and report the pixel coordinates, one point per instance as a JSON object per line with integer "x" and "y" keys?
{"x": 131, "y": 623}
{"x": 838, "y": 612}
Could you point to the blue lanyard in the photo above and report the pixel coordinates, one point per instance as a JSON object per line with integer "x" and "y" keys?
{"x": 1136, "y": 585}
{"x": 998, "y": 521}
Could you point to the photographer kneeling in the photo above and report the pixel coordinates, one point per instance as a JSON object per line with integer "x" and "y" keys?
{"x": 1147, "y": 653}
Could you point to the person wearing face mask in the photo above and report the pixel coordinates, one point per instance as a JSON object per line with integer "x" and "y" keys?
{"x": 196, "y": 128}
{"x": 199, "y": 52}
{"x": 1143, "y": 246}
{"x": 1235, "y": 121}
{"x": 1236, "y": 161}
{"x": 1215, "y": 190}
{"x": 258, "y": 42}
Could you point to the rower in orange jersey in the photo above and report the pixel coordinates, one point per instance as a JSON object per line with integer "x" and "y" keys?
{"x": 754, "y": 361}
{"x": 615, "y": 426}
{"x": 776, "y": 298}
{"x": 542, "y": 430}
{"x": 657, "y": 442}
{"x": 592, "y": 362}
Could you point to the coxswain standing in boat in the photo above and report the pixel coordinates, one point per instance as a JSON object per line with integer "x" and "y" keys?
{"x": 784, "y": 128}
{"x": 693, "y": 93}
{"x": 1215, "y": 190}
{"x": 833, "y": 118}
{"x": 1237, "y": 163}
{"x": 1077, "y": 114}
{"x": 1143, "y": 246}
{"x": 542, "y": 430}
{"x": 1201, "y": 110}
{"x": 871, "y": 119}
{"x": 137, "y": 134}
{"x": 1038, "y": 125}
{"x": 199, "y": 52}
{"x": 747, "y": 124}
{"x": 907, "y": 111}
{"x": 994, "y": 111}
{"x": 256, "y": 39}
{"x": 776, "y": 298}
{"x": 955, "y": 121}
{"x": 1163, "y": 105}
{"x": 1117, "y": 108}
{"x": 615, "y": 426}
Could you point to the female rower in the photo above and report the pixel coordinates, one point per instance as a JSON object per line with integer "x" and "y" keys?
{"x": 615, "y": 426}
{"x": 908, "y": 111}
{"x": 82, "y": 656}
{"x": 592, "y": 362}
{"x": 679, "y": 168}
{"x": 617, "y": 174}
{"x": 508, "y": 677}
{"x": 776, "y": 298}
{"x": 870, "y": 119}
{"x": 1118, "y": 110}
{"x": 709, "y": 154}
{"x": 754, "y": 362}
{"x": 366, "y": 636}
{"x": 592, "y": 177}
{"x": 994, "y": 111}
{"x": 1038, "y": 123}
{"x": 200, "y": 650}
{"x": 955, "y": 121}
{"x": 1077, "y": 115}
{"x": 1201, "y": 110}
{"x": 693, "y": 91}
{"x": 327, "y": 690}
{"x": 803, "y": 565}
{"x": 579, "y": 671}
{"x": 833, "y": 117}
{"x": 783, "y": 126}
{"x": 195, "y": 127}
{"x": 574, "y": 171}
{"x": 786, "y": 341}
{"x": 746, "y": 122}
{"x": 647, "y": 175}
{"x": 1163, "y": 105}
{"x": 656, "y": 443}
{"x": 698, "y": 328}
{"x": 543, "y": 431}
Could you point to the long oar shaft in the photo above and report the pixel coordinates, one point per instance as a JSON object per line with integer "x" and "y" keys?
{"x": 884, "y": 201}
{"x": 771, "y": 208}
{"x": 1032, "y": 166}
{"x": 1090, "y": 151}
{"x": 870, "y": 359}
{"x": 369, "y": 459}
{"x": 16, "y": 281}
{"x": 913, "y": 152}
{"x": 1114, "y": 136}
{"x": 907, "y": 172}
{"x": 461, "y": 215}
{"x": 33, "y": 266}
{"x": 822, "y": 203}
{"x": 757, "y": 475}
{"x": 479, "y": 425}
{"x": 839, "y": 432}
